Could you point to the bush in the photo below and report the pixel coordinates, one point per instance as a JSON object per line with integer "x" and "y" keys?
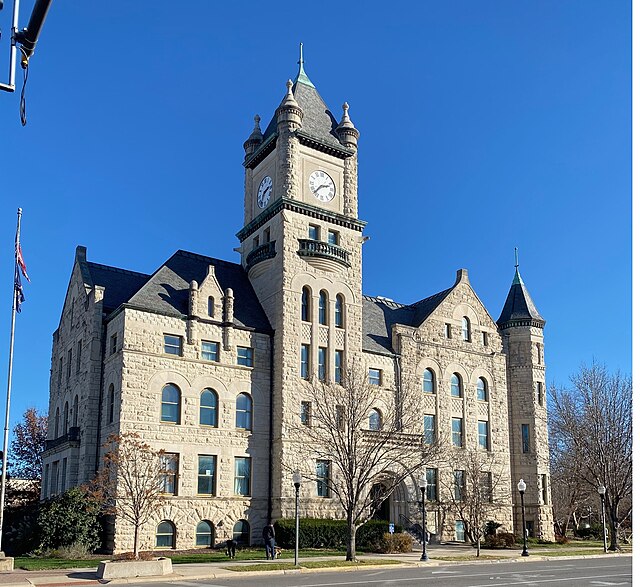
{"x": 396, "y": 543}
{"x": 325, "y": 533}
{"x": 500, "y": 540}
{"x": 594, "y": 531}
{"x": 491, "y": 527}
{"x": 69, "y": 519}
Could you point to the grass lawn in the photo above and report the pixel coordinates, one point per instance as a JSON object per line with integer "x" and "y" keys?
{"x": 312, "y": 565}
{"x": 29, "y": 563}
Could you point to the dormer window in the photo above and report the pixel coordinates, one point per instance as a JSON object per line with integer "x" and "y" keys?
{"x": 211, "y": 307}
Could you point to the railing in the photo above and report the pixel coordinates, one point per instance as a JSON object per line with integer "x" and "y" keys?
{"x": 261, "y": 253}
{"x": 73, "y": 435}
{"x": 312, "y": 248}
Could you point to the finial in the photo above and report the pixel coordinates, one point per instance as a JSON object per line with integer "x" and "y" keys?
{"x": 516, "y": 254}
{"x": 301, "y": 62}
{"x": 302, "y": 76}
{"x": 517, "y": 280}
{"x": 289, "y": 86}
{"x": 256, "y": 119}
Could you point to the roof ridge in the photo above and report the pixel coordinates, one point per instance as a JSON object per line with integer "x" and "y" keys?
{"x": 430, "y": 297}
{"x": 385, "y": 300}
{"x": 203, "y": 257}
{"x": 117, "y": 269}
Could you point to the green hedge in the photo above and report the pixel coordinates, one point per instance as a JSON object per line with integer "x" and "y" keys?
{"x": 325, "y": 533}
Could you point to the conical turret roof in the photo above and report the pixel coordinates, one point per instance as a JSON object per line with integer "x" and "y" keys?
{"x": 519, "y": 309}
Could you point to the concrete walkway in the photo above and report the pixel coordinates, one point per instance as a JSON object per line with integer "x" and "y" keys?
{"x": 193, "y": 571}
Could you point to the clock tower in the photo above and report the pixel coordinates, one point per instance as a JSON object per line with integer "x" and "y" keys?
{"x": 301, "y": 248}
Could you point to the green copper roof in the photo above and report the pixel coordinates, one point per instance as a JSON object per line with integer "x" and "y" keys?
{"x": 302, "y": 76}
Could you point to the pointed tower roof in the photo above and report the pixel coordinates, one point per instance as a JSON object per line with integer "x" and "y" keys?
{"x": 318, "y": 124}
{"x": 519, "y": 309}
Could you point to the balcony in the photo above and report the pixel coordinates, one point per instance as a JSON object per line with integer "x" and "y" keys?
{"x": 260, "y": 254}
{"x": 72, "y": 437}
{"x": 323, "y": 255}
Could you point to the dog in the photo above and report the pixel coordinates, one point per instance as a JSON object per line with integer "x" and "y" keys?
{"x": 278, "y": 551}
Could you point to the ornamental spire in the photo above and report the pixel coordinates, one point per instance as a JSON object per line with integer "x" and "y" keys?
{"x": 302, "y": 75}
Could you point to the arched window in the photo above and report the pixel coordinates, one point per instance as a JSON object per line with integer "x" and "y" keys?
{"x": 56, "y": 424}
{"x": 241, "y": 532}
{"x": 170, "y": 404}
{"x": 209, "y": 408}
{"x": 305, "y": 313}
{"x": 456, "y": 385}
{"x": 243, "y": 411}
{"x": 428, "y": 381}
{"x": 375, "y": 420}
{"x": 466, "y": 329}
{"x": 211, "y": 307}
{"x": 75, "y": 411}
{"x": 483, "y": 389}
{"x": 322, "y": 308}
{"x": 339, "y": 311}
{"x": 112, "y": 401}
{"x": 205, "y": 535}
{"x": 166, "y": 535}
{"x": 65, "y": 418}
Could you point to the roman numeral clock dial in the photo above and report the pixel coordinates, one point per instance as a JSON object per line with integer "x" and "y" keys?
{"x": 264, "y": 191}
{"x": 322, "y": 186}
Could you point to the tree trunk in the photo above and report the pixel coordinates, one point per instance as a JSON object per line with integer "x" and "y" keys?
{"x": 478, "y": 546}
{"x": 351, "y": 546}
{"x": 136, "y": 554}
{"x": 614, "y": 523}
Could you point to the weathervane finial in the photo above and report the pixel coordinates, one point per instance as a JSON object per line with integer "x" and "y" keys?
{"x": 301, "y": 62}
{"x": 516, "y": 255}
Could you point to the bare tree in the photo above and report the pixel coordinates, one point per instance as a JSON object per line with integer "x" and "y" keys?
{"x": 132, "y": 481}
{"x": 476, "y": 489}
{"x": 368, "y": 438}
{"x": 27, "y": 446}
{"x": 592, "y": 422}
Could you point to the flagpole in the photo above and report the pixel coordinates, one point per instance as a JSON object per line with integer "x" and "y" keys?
{"x": 5, "y": 445}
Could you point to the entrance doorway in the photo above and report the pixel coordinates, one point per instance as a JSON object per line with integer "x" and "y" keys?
{"x": 382, "y": 508}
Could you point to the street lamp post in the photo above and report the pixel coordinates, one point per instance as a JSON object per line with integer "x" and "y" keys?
{"x": 422, "y": 483}
{"x": 297, "y": 479}
{"x": 602, "y": 490}
{"x": 522, "y": 486}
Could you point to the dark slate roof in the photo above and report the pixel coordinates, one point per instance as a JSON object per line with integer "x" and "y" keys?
{"x": 167, "y": 290}
{"x": 317, "y": 120}
{"x": 519, "y": 306}
{"x": 380, "y": 314}
{"x": 119, "y": 284}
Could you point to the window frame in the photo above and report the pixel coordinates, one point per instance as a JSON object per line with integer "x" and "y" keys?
{"x": 323, "y": 478}
{"x": 338, "y": 311}
{"x": 338, "y": 365}
{"x": 333, "y": 237}
{"x": 245, "y": 531}
{"x": 483, "y": 434}
{"x": 172, "y": 535}
{"x": 375, "y": 420}
{"x": 431, "y": 489}
{"x": 322, "y": 363}
{"x": 526, "y": 438}
{"x": 242, "y": 479}
{"x": 204, "y": 353}
{"x": 459, "y": 482}
{"x": 209, "y": 479}
{"x": 244, "y": 356}
{"x": 305, "y": 351}
{"x": 211, "y": 534}
{"x": 305, "y": 413}
{"x": 246, "y": 413}
{"x": 213, "y": 409}
{"x": 314, "y": 232}
{"x": 426, "y": 382}
{"x": 166, "y": 403}
{"x": 457, "y": 433}
{"x": 169, "y": 463}
{"x": 305, "y": 304}
{"x": 323, "y": 308}
{"x": 458, "y": 385}
{"x": 465, "y": 327}
{"x": 172, "y": 347}
{"x": 429, "y": 440}
{"x": 484, "y": 396}
{"x": 375, "y": 376}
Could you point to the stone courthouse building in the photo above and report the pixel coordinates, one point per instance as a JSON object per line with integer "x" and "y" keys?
{"x": 206, "y": 359}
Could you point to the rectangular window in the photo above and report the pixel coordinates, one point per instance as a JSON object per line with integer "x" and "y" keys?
{"x": 447, "y": 330}
{"x": 540, "y": 392}
{"x": 539, "y": 353}
{"x": 332, "y": 237}
{"x": 63, "y": 477}
{"x": 206, "y": 475}
{"x": 340, "y": 417}
{"x": 54, "y": 478}
{"x": 173, "y": 345}
{"x": 375, "y": 376}
{"x": 544, "y": 490}
{"x": 485, "y": 338}
{"x": 305, "y": 413}
{"x": 526, "y": 447}
{"x": 60, "y": 373}
{"x": 169, "y": 473}
{"x": 458, "y": 485}
{"x": 266, "y": 235}
{"x": 431, "y": 492}
{"x": 45, "y": 481}
{"x": 337, "y": 375}
{"x": 78, "y": 356}
{"x": 459, "y": 531}
{"x": 304, "y": 361}
{"x": 256, "y": 242}
{"x": 483, "y": 434}
{"x": 210, "y": 351}
{"x": 314, "y": 232}
{"x": 486, "y": 486}
{"x": 69, "y": 363}
{"x": 242, "y": 479}
{"x": 245, "y": 356}
{"x": 456, "y": 431}
{"x": 429, "y": 429}
{"x": 114, "y": 344}
{"x": 322, "y": 478}
{"x": 322, "y": 363}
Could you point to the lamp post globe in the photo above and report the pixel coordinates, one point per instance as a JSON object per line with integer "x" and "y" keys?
{"x": 522, "y": 487}
{"x": 422, "y": 483}
{"x": 602, "y": 490}
{"x": 297, "y": 480}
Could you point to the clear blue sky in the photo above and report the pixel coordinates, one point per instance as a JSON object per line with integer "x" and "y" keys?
{"x": 484, "y": 125}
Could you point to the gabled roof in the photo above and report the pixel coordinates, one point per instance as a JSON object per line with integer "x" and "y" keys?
{"x": 167, "y": 290}
{"x": 119, "y": 284}
{"x": 519, "y": 308}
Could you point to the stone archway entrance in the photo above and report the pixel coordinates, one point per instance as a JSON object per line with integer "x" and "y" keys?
{"x": 394, "y": 508}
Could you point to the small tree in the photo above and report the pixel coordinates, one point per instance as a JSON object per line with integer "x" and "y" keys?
{"x": 368, "y": 435}
{"x": 130, "y": 481}
{"x": 592, "y": 424}
{"x": 475, "y": 489}
{"x": 27, "y": 446}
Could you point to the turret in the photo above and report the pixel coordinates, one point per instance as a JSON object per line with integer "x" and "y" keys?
{"x": 254, "y": 140}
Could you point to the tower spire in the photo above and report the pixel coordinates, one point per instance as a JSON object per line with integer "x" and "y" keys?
{"x": 516, "y": 278}
{"x": 302, "y": 75}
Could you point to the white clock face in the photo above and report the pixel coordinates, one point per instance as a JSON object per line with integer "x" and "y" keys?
{"x": 264, "y": 191}
{"x": 322, "y": 186}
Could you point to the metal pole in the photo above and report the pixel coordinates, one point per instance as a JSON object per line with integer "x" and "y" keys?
{"x": 5, "y": 444}
{"x": 295, "y": 554}
{"x": 525, "y": 551}
{"x": 11, "y": 86}
{"x": 604, "y": 526}
{"x": 424, "y": 534}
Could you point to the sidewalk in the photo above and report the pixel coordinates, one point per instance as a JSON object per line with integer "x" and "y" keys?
{"x": 193, "y": 571}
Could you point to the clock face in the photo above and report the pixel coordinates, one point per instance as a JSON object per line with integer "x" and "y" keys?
{"x": 322, "y": 186}
{"x": 264, "y": 191}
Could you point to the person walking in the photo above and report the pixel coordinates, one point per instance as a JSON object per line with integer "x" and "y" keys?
{"x": 269, "y": 537}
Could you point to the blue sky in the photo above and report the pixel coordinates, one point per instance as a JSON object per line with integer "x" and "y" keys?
{"x": 484, "y": 126}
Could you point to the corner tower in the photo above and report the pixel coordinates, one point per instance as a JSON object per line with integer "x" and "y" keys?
{"x": 301, "y": 247}
{"x": 521, "y": 327}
